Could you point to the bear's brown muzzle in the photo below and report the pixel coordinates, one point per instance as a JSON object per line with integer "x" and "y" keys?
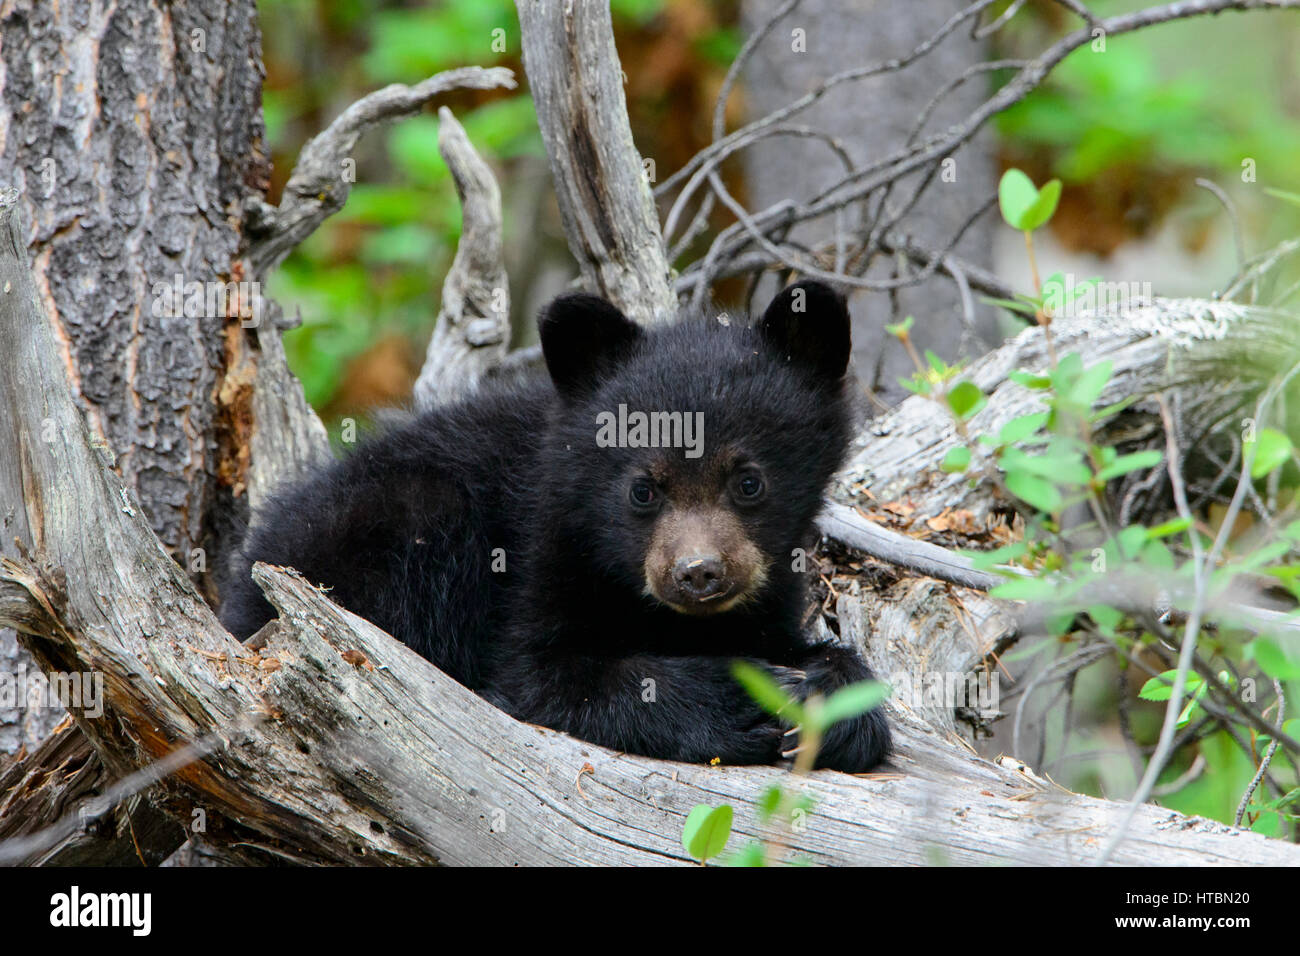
{"x": 701, "y": 561}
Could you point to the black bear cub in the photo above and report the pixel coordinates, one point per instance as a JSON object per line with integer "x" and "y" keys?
{"x": 591, "y": 552}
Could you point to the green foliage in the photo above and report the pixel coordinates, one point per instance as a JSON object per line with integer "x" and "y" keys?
{"x": 850, "y": 702}
{"x": 706, "y": 831}
{"x": 956, "y": 460}
{"x": 760, "y": 685}
{"x": 1271, "y": 449}
{"x": 1023, "y": 206}
{"x": 1046, "y": 461}
{"x": 1102, "y": 110}
{"x": 965, "y": 399}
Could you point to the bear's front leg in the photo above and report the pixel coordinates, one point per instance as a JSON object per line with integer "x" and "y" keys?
{"x": 853, "y": 746}
{"x": 675, "y": 708}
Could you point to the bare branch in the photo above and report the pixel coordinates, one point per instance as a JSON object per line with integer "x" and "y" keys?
{"x": 1268, "y": 755}
{"x": 321, "y": 181}
{"x": 473, "y": 329}
{"x": 920, "y": 557}
{"x": 879, "y": 174}
{"x": 600, "y": 183}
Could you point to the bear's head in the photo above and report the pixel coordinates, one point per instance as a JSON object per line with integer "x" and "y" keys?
{"x": 689, "y": 461}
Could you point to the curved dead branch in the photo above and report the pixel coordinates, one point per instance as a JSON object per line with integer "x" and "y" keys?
{"x": 322, "y": 178}
{"x": 473, "y": 329}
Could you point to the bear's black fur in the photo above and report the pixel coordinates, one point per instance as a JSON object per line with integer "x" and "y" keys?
{"x": 633, "y": 576}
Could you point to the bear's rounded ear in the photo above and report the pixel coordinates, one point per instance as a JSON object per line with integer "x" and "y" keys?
{"x": 807, "y": 324}
{"x": 584, "y": 338}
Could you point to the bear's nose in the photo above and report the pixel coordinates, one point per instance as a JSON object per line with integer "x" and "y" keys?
{"x": 699, "y": 576}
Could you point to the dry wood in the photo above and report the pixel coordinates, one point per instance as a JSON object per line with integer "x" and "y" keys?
{"x": 322, "y": 178}
{"x": 473, "y": 329}
{"x": 602, "y": 188}
{"x": 56, "y": 782}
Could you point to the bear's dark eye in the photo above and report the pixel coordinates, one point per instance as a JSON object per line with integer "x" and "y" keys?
{"x": 642, "y": 493}
{"x": 749, "y": 486}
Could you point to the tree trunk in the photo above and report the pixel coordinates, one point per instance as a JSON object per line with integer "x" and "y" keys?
{"x": 134, "y": 132}
{"x": 870, "y": 119}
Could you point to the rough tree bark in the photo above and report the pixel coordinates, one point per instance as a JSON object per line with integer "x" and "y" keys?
{"x": 134, "y": 131}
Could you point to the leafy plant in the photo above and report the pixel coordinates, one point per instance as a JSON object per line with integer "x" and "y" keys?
{"x": 707, "y": 829}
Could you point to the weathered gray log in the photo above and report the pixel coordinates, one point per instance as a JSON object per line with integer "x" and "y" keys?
{"x": 897, "y": 455}
{"x": 371, "y": 755}
{"x": 322, "y": 177}
{"x": 286, "y": 438}
{"x": 602, "y": 188}
{"x": 918, "y": 630}
{"x": 473, "y": 330}
{"x": 57, "y": 782}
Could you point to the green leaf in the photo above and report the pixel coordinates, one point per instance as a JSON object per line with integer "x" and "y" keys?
{"x": 1126, "y": 463}
{"x": 1016, "y": 194}
{"x": 761, "y": 686}
{"x": 1079, "y": 386}
{"x": 1293, "y": 198}
{"x": 852, "y": 700}
{"x": 1088, "y": 387}
{"x": 957, "y": 459}
{"x": 965, "y": 399}
{"x": 1018, "y": 429}
{"x": 707, "y": 830}
{"x": 1168, "y": 528}
{"x": 1067, "y": 370}
{"x": 1060, "y": 623}
{"x": 1056, "y": 466}
{"x": 1272, "y": 448}
{"x": 752, "y": 854}
{"x": 1029, "y": 309}
{"x": 1157, "y": 556}
{"x": 1042, "y": 208}
{"x": 1024, "y": 589}
{"x": 1131, "y": 541}
{"x": 1101, "y": 414}
{"x": 1273, "y": 661}
{"x": 1106, "y": 617}
{"x": 1161, "y": 687}
{"x": 1030, "y": 380}
{"x": 901, "y": 329}
{"x": 984, "y": 560}
{"x": 768, "y": 803}
{"x": 1035, "y": 491}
